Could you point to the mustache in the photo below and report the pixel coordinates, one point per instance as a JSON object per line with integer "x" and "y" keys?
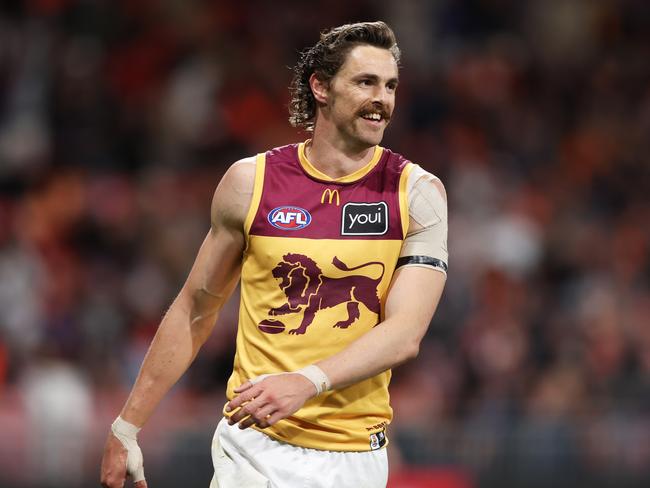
{"x": 375, "y": 108}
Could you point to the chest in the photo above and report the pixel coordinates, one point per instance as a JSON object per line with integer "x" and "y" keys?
{"x": 293, "y": 205}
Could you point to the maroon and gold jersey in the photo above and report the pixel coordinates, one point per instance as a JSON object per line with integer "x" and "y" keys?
{"x": 319, "y": 258}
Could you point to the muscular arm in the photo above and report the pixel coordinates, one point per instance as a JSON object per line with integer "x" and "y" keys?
{"x": 191, "y": 317}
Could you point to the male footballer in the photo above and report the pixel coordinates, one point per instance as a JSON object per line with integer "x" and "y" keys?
{"x": 340, "y": 247}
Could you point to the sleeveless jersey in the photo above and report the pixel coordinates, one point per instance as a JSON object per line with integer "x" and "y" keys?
{"x": 320, "y": 255}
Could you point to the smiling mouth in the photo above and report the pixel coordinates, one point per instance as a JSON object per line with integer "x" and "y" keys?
{"x": 374, "y": 117}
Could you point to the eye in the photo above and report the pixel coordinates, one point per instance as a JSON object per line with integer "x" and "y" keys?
{"x": 365, "y": 82}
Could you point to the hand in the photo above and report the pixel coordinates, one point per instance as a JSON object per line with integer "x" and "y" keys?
{"x": 113, "y": 471}
{"x": 274, "y": 398}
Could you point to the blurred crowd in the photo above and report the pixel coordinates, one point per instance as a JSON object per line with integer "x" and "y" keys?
{"x": 118, "y": 118}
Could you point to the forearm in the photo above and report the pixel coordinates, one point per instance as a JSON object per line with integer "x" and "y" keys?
{"x": 174, "y": 347}
{"x": 385, "y": 346}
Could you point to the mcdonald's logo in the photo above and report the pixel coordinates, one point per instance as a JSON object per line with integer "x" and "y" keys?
{"x": 330, "y": 194}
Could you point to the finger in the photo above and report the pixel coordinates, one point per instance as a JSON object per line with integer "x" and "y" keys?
{"x": 113, "y": 467}
{"x": 249, "y": 409}
{"x": 244, "y": 387}
{"x": 259, "y": 418}
{"x": 253, "y": 382}
{"x": 140, "y": 484}
{"x": 275, "y": 417}
{"x": 247, "y": 396}
{"x": 113, "y": 477}
{"x": 114, "y": 482}
{"x": 247, "y": 422}
{"x": 237, "y": 402}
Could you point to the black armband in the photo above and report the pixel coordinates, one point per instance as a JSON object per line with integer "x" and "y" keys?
{"x": 422, "y": 260}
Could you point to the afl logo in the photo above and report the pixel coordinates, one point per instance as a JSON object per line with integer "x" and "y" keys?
{"x": 289, "y": 218}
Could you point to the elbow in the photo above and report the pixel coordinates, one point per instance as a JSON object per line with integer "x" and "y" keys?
{"x": 202, "y": 313}
{"x": 201, "y": 324}
{"x": 410, "y": 351}
{"x": 414, "y": 350}
{"x": 204, "y": 308}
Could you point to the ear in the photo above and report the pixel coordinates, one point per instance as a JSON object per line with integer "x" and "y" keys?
{"x": 319, "y": 88}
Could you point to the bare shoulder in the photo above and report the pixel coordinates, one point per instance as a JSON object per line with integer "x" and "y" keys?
{"x": 242, "y": 174}
{"x": 233, "y": 195}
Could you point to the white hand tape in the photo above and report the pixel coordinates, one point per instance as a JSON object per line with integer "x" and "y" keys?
{"x": 127, "y": 434}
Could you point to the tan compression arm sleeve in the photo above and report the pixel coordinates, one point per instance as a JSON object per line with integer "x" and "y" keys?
{"x": 426, "y": 240}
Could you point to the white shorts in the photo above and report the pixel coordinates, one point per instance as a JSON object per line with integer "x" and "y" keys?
{"x": 249, "y": 459}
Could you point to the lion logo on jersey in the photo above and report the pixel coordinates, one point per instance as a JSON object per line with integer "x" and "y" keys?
{"x": 309, "y": 291}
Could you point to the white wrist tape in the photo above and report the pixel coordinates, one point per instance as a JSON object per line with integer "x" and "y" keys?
{"x": 127, "y": 434}
{"x": 317, "y": 376}
{"x": 313, "y": 373}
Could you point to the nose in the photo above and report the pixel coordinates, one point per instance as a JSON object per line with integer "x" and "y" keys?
{"x": 382, "y": 94}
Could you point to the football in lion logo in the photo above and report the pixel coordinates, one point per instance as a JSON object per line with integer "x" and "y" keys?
{"x": 308, "y": 291}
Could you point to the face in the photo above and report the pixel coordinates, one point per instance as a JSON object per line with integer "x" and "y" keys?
{"x": 360, "y": 99}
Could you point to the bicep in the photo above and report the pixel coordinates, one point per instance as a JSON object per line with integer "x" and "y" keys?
{"x": 413, "y": 298}
{"x": 217, "y": 265}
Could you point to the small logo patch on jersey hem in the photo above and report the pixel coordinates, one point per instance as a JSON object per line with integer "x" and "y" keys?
{"x": 289, "y": 217}
{"x": 364, "y": 219}
{"x": 377, "y": 440}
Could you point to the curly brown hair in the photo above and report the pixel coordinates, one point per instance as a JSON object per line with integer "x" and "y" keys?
{"x": 326, "y": 58}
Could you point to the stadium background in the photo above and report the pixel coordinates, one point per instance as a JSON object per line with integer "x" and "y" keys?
{"x": 117, "y": 119}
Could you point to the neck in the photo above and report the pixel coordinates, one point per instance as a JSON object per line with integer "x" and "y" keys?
{"x": 334, "y": 157}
